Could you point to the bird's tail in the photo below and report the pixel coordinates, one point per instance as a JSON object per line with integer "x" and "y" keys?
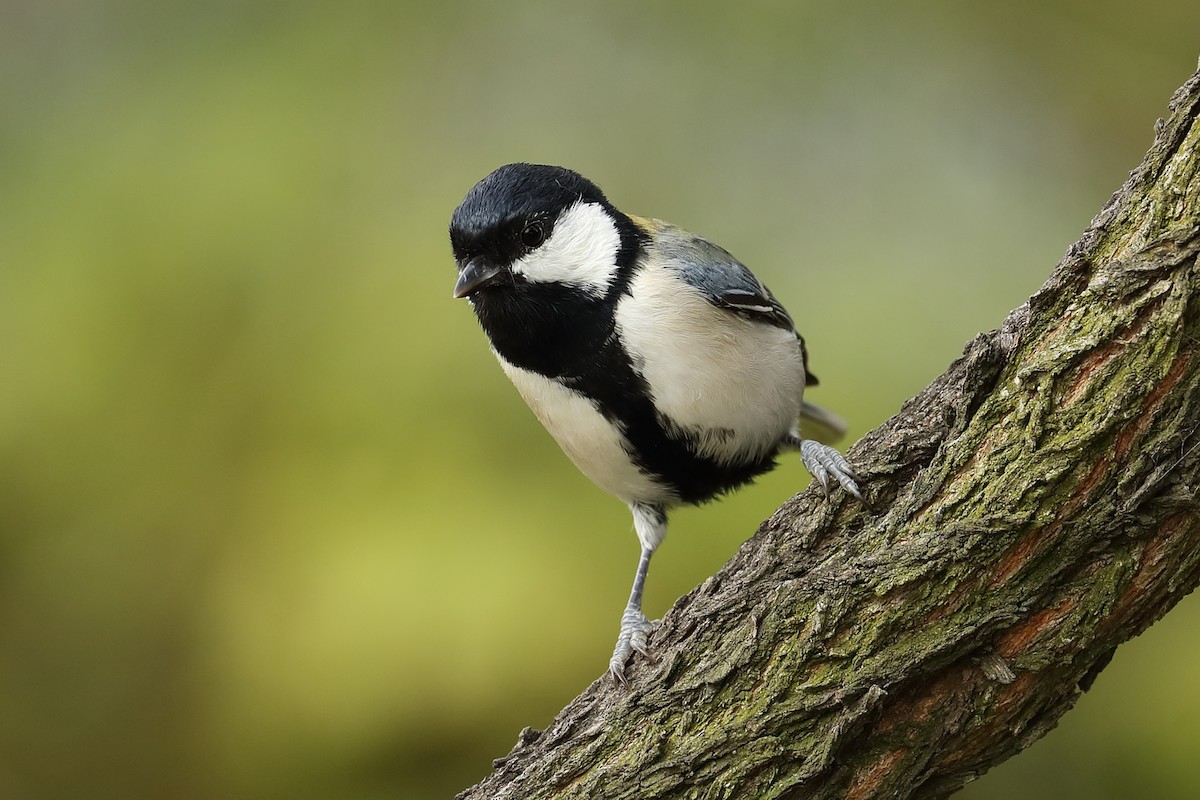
{"x": 817, "y": 423}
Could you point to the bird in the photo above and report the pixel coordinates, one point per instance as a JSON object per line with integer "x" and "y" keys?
{"x": 664, "y": 368}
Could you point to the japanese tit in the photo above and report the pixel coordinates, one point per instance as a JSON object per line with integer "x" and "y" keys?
{"x": 665, "y": 370}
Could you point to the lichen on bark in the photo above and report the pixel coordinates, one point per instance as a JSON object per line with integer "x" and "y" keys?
{"x": 1032, "y": 509}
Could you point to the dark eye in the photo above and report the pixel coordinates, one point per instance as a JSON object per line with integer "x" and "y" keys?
{"x": 533, "y": 234}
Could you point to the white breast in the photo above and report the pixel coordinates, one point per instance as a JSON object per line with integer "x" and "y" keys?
{"x": 597, "y": 448}
{"x": 734, "y": 383}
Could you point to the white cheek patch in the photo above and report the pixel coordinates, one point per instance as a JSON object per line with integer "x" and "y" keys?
{"x": 581, "y": 251}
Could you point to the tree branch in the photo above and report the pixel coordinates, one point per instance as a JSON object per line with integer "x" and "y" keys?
{"x": 1034, "y": 508}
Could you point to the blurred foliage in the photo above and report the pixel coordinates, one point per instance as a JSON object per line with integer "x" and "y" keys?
{"x": 273, "y": 524}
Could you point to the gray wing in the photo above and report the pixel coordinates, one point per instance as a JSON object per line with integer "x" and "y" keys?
{"x": 721, "y": 278}
{"x": 724, "y": 281}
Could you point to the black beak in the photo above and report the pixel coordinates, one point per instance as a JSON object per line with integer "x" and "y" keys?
{"x": 475, "y": 275}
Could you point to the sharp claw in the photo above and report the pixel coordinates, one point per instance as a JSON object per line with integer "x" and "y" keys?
{"x": 823, "y": 461}
{"x": 851, "y": 486}
{"x": 635, "y": 629}
{"x": 638, "y": 642}
{"x": 618, "y": 675}
{"x": 616, "y": 665}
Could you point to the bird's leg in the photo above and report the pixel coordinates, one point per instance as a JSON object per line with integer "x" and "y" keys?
{"x": 634, "y": 625}
{"x": 650, "y": 522}
{"x": 823, "y": 462}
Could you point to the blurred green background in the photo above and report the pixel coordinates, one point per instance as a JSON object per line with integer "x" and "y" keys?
{"x": 273, "y": 523}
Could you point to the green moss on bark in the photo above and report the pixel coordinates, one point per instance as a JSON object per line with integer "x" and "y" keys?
{"x": 1031, "y": 510}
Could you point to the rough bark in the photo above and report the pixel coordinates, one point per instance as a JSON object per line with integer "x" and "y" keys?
{"x": 1032, "y": 509}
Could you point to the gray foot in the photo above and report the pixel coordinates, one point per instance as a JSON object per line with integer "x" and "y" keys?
{"x": 823, "y": 463}
{"x": 632, "y": 638}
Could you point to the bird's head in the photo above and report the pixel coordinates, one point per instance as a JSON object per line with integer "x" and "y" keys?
{"x": 530, "y": 224}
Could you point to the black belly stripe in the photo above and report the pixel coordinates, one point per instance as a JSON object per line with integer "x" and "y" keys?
{"x": 670, "y": 455}
{"x": 563, "y": 334}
